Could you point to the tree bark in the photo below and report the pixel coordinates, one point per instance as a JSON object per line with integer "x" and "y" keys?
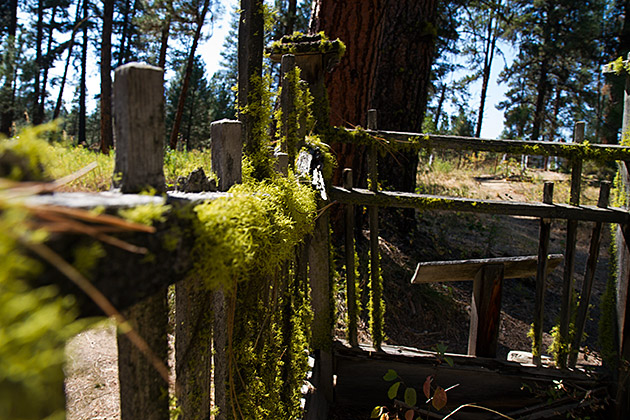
{"x": 189, "y": 66}
{"x": 107, "y": 135}
{"x": 7, "y": 95}
{"x": 390, "y": 50}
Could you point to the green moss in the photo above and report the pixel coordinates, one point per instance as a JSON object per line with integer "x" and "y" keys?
{"x": 25, "y": 156}
{"x": 34, "y": 327}
{"x": 146, "y": 214}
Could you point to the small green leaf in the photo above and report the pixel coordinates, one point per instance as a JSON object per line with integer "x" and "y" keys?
{"x": 410, "y": 397}
{"x": 390, "y": 375}
{"x": 449, "y": 361}
{"x": 393, "y": 390}
{"x": 376, "y": 413}
{"x": 409, "y": 415}
{"x": 439, "y": 398}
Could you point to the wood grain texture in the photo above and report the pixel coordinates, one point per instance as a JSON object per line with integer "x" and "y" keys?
{"x": 139, "y": 127}
{"x": 463, "y": 270}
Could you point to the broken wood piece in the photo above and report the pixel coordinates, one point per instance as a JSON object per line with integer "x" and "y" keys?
{"x": 463, "y": 270}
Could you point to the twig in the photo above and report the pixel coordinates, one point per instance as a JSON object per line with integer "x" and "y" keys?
{"x": 75, "y": 175}
{"x": 101, "y": 301}
{"x": 104, "y": 219}
{"x": 479, "y": 407}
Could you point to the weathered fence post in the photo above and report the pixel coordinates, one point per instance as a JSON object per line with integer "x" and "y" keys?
{"x": 139, "y": 128}
{"x": 589, "y": 275}
{"x": 351, "y": 293}
{"x": 319, "y": 277}
{"x": 139, "y": 142}
{"x": 199, "y": 338}
{"x": 375, "y": 270}
{"x": 623, "y": 270}
{"x": 227, "y": 153}
{"x": 569, "y": 254}
{"x": 541, "y": 277}
{"x": 287, "y": 104}
{"x": 485, "y": 313}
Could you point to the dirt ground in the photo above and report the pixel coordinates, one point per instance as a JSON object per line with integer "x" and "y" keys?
{"x": 417, "y": 315}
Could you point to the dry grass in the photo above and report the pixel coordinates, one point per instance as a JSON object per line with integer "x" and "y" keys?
{"x": 66, "y": 159}
{"x": 486, "y": 178}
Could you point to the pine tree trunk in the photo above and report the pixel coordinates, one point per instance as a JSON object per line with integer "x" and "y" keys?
{"x": 487, "y": 68}
{"x": 7, "y": 95}
{"x": 78, "y": 23}
{"x": 107, "y": 136}
{"x": 36, "y": 118}
{"x": 541, "y": 94}
{"x": 125, "y": 32}
{"x": 82, "y": 84}
{"x": 390, "y": 50}
{"x": 47, "y": 64}
{"x": 164, "y": 40}
{"x": 189, "y": 66}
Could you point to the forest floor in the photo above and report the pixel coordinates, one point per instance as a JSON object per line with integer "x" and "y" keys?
{"x": 421, "y": 316}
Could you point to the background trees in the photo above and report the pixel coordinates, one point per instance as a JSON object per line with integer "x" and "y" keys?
{"x": 426, "y": 62}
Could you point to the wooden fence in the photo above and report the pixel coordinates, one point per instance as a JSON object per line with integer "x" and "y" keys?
{"x": 139, "y": 135}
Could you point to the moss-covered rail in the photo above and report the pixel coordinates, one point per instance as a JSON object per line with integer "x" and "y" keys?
{"x": 434, "y": 202}
{"x": 418, "y": 141}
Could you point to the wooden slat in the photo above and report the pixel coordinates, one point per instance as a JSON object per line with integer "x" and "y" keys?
{"x": 351, "y": 296}
{"x": 485, "y": 315}
{"x": 463, "y": 270}
{"x": 364, "y": 197}
{"x": 541, "y": 276}
{"x": 421, "y": 141}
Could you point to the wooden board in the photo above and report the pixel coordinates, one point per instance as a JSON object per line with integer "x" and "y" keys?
{"x": 462, "y": 270}
{"x": 362, "y": 197}
{"x": 488, "y": 382}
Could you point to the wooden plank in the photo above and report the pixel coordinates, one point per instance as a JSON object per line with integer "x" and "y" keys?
{"x": 362, "y": 197}
{"x": 463, "y": 270}
{"x": 570, "y": 250}
{"x": 375, "y": 271}
{"x": 485, "y": 313}
{"x": 139, "y": 128}
{"x": 541, "y": 276}
{"x": 589, "y": 276}
{"x": 422, "y": 141}
{"x": 492, "y": 383}
{"x": 351, "y": 294}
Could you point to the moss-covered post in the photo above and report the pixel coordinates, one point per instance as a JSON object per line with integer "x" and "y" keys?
{"x": 139, "y": 139}
{"x": 541, "y": 277}
{"x": 569, "y": 253}
{"x": 589, "y": 275}
{"x": 351, "y": 292}
{"x": 314, "y": 55}
{"x": 623, "y": 267}
{"x": 321, "y": 299}
{"x": 287, "y": 105}
{"x": 376, "y": 286}
{"x": 139, "y": 128}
